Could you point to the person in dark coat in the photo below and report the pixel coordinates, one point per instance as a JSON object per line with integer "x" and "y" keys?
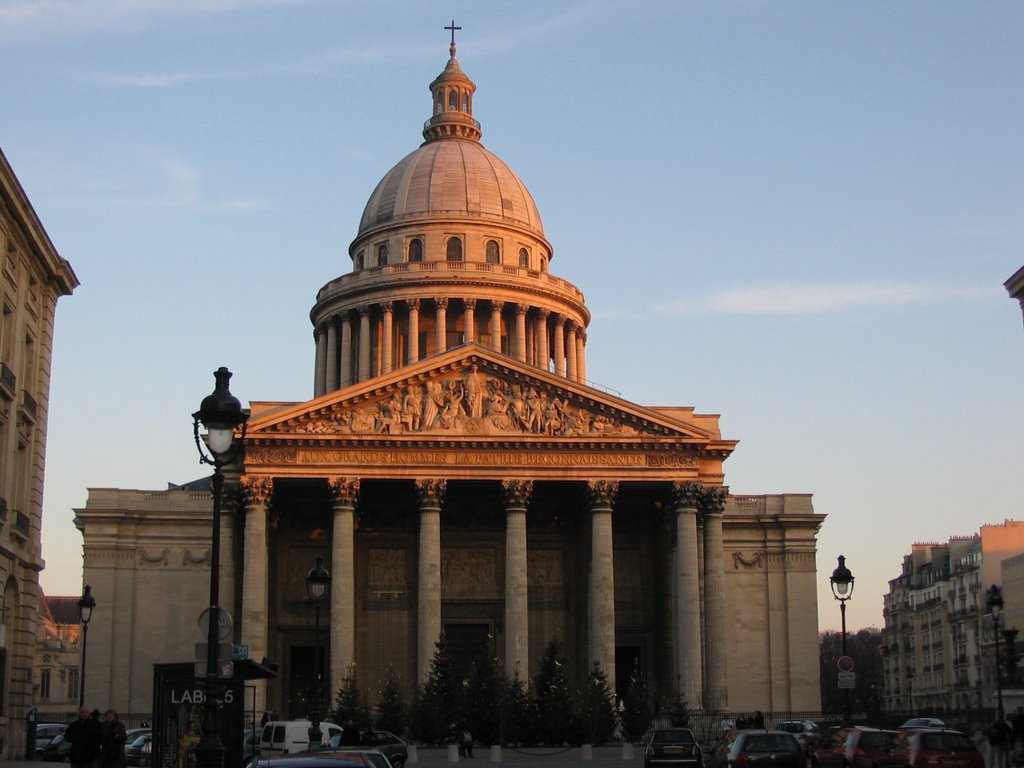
{"x": 84, "y": 735}
{"x": 112, "y": 742}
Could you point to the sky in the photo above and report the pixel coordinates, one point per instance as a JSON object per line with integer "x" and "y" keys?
{"x": 798, "y": 215}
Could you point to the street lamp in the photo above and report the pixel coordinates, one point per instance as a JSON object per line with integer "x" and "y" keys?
{"x": 994, "y": 603}
{"x": 86, "y": 604}
{"x": 221, "y": 414}
{"x": 318, "y": 581}
{"x": 841, "y": 582}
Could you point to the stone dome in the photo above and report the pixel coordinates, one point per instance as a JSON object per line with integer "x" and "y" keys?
{"x": 451, "y": 178}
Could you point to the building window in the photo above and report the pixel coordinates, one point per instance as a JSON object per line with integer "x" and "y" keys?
{"x": 543, "y": 264}
{"x": 382, "y": 255}
{"x": 453, "y": 100}
{"x": 72, "y": 684}
{"x": 524, "y": 258}
{"x": 415, "y": 249}
{"x": 454, "y": 249}
{"x": 44, "y": 684}
{"x": 493, "y": 252}
{"x": 359, "y": 260}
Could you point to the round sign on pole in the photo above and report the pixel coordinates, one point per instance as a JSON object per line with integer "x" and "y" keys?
{"x": 224, "y": 624}
{"x": 845, "y": 664}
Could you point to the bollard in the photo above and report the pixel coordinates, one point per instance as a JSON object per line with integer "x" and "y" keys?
{"x": 453, "y": 753}
{"x": 495, "y": 753}
{"x": 411, "y": 754}
{"x": 586, "y": 752}
{"x": 627, "y": 750}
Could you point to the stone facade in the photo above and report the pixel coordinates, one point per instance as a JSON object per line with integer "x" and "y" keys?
{"x": 460, "y": 476}
{"x": 32, "y": 278}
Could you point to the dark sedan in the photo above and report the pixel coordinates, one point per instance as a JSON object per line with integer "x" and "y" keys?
{"x": 673, "y": 747}
{"x": 345, "y": 759}
{"x": 756, "y": 749}
{"x": 57, "y": 750}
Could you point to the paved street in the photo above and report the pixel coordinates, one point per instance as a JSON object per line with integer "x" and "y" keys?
{"x": 438, "y": 758}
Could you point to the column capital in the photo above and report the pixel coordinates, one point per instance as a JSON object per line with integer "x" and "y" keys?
{"x": 517, "y": 493}
{"x": 387, "y": 306}
{"x": 344, "y": 491}
{"x": 470, "y": 304}
{"x": 686, "y": 494}
{"x": 522, "y": 309}
{"x": 602, "y": 493}
{"x": 364, "y": 311}
{"x": 430, "y": 492}
{"x": 712, "y": 500}
{"x": 543, "y": 312}
{"x": 441, "y": 303}
{"x": 413, "y": 304}
{"x": 257, "y": 489}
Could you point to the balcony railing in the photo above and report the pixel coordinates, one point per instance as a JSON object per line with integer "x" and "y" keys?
{"x": 8, "y": 382}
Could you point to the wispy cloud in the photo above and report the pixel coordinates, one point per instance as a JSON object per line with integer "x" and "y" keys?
{"x": 819, "y": 298}
{"x": 39, "y": 18}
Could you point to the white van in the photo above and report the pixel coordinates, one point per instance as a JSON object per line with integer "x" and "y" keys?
{"x": 282, "y": 737}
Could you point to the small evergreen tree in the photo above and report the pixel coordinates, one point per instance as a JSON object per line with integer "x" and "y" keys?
{"x": 597, "y": 714}
{"x": 678, "y": 714}
{"x": 636, "y": 711}
{"x": 553, "y": 708}
{"x": 435, "y": 708}
{"x": 482, "y": 697}
{"x": 349, "y": 704}
{"x": 390, "y": 707}
{"x": 515, "y": 712}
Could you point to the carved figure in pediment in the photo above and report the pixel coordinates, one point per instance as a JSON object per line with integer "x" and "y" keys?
{"x": 412, "y": 408}
{"x": 363, "y": 421}
{"x": 473, "y": 386}
{"x": 390, "y": 419}
{"x": 433, "y": 404}
{"x": 450, "y": 410}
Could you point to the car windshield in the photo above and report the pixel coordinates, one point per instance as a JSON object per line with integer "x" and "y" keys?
{"x": 874, "y": 739}
{"x": 770, "y": 743}
{"x": 678, "y": 736}
{"x": 945, "y": 742}
{"x": 791, "y": 727}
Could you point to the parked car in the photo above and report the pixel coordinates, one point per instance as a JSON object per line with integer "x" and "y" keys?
{"x": 283, "y": 737}
{"x": 394, "y": 749}
{"x": 922, "y": 722}
{"x": 250, "y": 744}
{"x": 854, "y": 747}
{"x": 320, "y": 759}
{"x": 673, "y": 747}
{"x": 376, "y": 758}
{"x": 753, "y": 749}
{"x": 917, "y": 749}
{"x": 57, "y": 750}
{"x": 138, "y": 751}
{"x": 805, "y": 731}
{"x": 45, "y": 733}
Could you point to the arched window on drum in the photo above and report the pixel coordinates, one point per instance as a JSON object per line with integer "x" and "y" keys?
{"x": 524, "y": 258}
{"x": 454, "y": 252}
{"x": 415, "y": 249}
{"x": 493, "y": 252}
{"x": 382, "y": 255}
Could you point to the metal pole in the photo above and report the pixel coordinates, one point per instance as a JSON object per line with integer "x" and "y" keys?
{"x": 210, "y": 750}
{"x": 85, "y": 645}
{"x": 846, "y": 691}
{"x": 999, "y": 682}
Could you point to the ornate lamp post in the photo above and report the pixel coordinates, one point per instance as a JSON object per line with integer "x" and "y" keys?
{"x": 86, "y": 604}
{"x": 841, "y": 582}
{"x": 221, "y": 414}
{"x": 994, "y": 603}
{"x": 318, "y": 581}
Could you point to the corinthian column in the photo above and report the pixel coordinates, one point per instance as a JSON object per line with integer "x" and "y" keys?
{"x": 543, "y": 356}
{"x": 331, "y": 382}
{"x": 686, "y": 593}
{"x": 469, "y": 321}
{"x": 521, "y": 310}
{"x": 364, "y": 344}
{"x": 441, "y": 321}
{"x": 342, "y": 625}
{"x": 517, "y": 616}
{"x": 559, "y": 334}
{"x": 413, "y": 352}
{"x": 320, "y": 376}
{"x": 570, "y": 350}
{"x": 430, "y": 493}
{"x": 255, "y": 571}
{"x": 387, "y": 334}
{"x": 601, "y": 613}
{"x": 716, "y": 684}
{"x": 496, "y": 325}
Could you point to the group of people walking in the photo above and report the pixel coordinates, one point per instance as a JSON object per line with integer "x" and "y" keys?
{"x": 96, "y": 744}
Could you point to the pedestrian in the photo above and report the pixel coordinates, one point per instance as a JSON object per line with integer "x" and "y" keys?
{"x": 466, "y": 743}
{"x": 758, "y": 719}
{"x": 84, "y": 734}
{"x": 741, "y": 723}
{"x": 727, "y": 725}
{"x": 112, "y": 742}
{"x": 1017, "y": 723}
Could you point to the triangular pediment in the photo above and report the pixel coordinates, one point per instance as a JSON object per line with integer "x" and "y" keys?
{"x": 472, "y": 393}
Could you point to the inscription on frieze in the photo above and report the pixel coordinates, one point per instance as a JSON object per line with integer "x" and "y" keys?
{"x": 525, "y": 458}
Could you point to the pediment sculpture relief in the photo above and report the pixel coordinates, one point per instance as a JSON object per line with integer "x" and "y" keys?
{"x": 473, "y": 403}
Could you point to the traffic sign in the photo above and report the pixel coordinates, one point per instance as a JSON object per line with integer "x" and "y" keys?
{"x": 224, "y": 624}
{"x": 845, "y": 664}
{"x": 847, "y": 679}
{"x": 240, "y": 652}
